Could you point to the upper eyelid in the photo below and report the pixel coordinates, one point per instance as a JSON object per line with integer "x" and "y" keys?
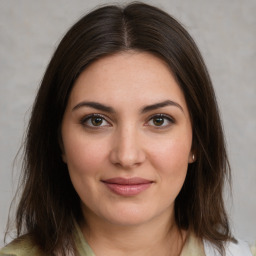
{"x": 107, "y": 119}
{"x": 171, "y": 121}
{"x": 161, "y": 115}
{"x": 95, "y": 115}
{"x": 87, "y": 117}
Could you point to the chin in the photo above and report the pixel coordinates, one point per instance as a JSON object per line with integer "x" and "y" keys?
{"x": 129, "y": 216}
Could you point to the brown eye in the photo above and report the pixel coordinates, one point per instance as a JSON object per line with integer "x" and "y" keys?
{"x": 158, "y": 121}
{"x": 161, "y": 121}
{"x": 96, "y": 121}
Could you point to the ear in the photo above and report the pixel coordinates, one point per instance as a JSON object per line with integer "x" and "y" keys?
{"x": 192, "y": 157}
{"x": 193, "y": 152}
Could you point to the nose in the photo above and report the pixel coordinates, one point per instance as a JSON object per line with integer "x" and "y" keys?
{"x": 127, "y": 151}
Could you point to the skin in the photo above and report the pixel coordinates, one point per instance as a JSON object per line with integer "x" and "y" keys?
{"x": 128, "y": 142}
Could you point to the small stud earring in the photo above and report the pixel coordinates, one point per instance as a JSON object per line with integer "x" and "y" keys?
{"x": 193, "y": 158}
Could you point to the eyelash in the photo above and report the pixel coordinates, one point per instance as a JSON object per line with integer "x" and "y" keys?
{"x": 89, "y": 117}
{"x": 163, "y": 116}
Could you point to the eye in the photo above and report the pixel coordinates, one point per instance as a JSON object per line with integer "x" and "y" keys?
{"x": 94, "y": 120}
{"x": 160, "y": 120}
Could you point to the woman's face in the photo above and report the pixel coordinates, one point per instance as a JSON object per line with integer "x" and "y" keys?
{"x": 127, "y": 139}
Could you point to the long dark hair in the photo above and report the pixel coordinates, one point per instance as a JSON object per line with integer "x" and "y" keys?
{"x": 49, "y": 205}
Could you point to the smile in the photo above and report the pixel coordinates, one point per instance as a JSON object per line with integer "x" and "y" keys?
{"x": 127, "y": 187}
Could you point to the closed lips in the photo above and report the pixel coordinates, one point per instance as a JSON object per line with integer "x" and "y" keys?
{"x": 129, "y": 181}
{"x": 127, "y": 187}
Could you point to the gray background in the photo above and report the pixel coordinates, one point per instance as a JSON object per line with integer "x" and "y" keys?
{"x": 225, "y": 31}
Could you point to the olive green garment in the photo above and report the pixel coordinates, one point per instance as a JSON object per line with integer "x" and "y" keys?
{"x": 24, "y": 247}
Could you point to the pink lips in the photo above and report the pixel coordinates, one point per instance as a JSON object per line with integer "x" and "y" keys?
{"x": 127, "y": 187}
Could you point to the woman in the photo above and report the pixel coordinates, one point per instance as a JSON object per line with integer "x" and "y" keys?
{"x": 124, "y": 151}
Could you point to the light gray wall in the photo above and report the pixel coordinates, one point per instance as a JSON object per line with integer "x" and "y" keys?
{"x": 225, "y": 31}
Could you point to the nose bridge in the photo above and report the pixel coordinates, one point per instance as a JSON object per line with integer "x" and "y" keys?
{"x": 127, "y": 149}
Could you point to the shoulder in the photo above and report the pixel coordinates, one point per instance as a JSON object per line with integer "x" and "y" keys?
{"x": 240, "y": 248}
{"x": 22, "y": 246}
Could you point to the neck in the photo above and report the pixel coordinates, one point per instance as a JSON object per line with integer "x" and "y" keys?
{"x": 159, "y": 236}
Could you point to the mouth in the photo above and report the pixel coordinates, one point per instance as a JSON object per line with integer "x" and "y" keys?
{"x": 127, "y": 187}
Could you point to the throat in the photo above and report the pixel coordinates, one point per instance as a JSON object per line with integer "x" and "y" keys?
{"x": 136, "y": 242}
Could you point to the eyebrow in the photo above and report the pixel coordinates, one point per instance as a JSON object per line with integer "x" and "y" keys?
{"x": 161, "y": 105}
{"x": 95, "y": 105}
{"x": 145, "y": 109}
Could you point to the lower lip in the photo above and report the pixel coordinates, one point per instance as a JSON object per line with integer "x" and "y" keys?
{"x": 128, "y": 190}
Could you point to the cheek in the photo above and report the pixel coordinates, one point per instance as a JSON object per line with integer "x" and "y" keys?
{"x": 84, "y": 156}
{"x": 170, "y": 159}
{"x": 171, "y": 164}
{"x": 173, "y": 152}
{"x": 84, "y": 161}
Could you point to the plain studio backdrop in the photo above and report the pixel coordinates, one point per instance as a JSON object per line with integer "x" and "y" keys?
{"x": 225, "y": 31}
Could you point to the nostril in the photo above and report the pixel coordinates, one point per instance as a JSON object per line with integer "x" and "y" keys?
{"x": 127, "y": 158}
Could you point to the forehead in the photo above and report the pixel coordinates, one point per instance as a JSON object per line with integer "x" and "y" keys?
{"x": 127, "y": 77}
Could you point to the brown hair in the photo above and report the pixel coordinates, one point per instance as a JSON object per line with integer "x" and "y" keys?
{"x": 49, "y": 204}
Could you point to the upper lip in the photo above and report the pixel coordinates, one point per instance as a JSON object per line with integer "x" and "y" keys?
{"x": 127, "y": 181}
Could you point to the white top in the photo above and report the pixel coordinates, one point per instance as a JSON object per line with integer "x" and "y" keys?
{"x": 232, "y": 249}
